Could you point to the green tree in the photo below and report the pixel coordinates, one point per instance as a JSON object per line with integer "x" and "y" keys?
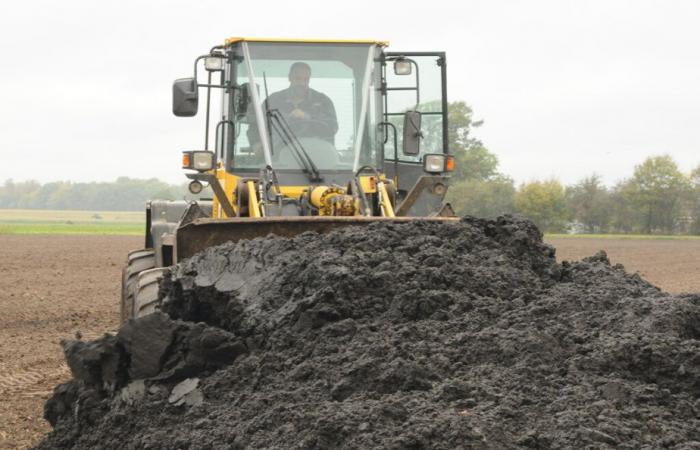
{"x": 543, "y": 202}
{"x": 695, "y": 178}
{"x": 589, "y": 203}
{"x": 483, "y": 198}
{"x": 623, "y": 217}
{"x": 474, "y": 160}
{"x": 695, "y": 200}
{"x": 476, "y": 163}
{"x": 657, "y": 191}
{"x": 460, "y": 123}
{"x": 8, "y": 194}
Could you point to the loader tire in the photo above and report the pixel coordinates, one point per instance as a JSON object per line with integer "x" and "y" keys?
{"x": 137, "y": 262}
{"x": 145, "y": 297}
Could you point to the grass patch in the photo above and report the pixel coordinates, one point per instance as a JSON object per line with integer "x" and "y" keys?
{"x": 624, "y": 236}
{"x": 18, "y": 221}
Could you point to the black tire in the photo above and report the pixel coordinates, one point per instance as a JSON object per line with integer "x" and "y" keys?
{"x": 137, "y": 262}
{"x": 145, "y": 297}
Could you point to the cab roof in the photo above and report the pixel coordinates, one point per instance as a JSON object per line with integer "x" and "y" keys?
{"x": 233, "y": 40}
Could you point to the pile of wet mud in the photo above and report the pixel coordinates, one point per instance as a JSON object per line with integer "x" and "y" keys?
{"x": 403, "y": 336}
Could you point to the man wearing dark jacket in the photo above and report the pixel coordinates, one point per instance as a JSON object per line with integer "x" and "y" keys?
{"x": 308, "y": 112}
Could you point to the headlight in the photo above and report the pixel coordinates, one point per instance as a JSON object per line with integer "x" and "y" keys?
{"x": 214, "y": 63}
{"x": 402, "y": 67}
{"x": 198, "y": 160}
{"x": 438, "y": 163}
{"x": 195, "y": 187}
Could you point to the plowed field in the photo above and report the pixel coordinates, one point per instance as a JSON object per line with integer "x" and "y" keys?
{"x": 671, "y": 264}
{"x": 51, "y": 287}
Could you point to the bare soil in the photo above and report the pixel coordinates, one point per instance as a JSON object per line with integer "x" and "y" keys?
{"x": 671, "y": 264}
{"x": 47, "y": 281}
{"x": 51, "y": 287}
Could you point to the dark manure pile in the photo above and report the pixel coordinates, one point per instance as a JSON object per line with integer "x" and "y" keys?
{"x": 392, "y": 336}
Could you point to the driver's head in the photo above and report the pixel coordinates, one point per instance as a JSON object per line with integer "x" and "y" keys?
{"x": 299, "y": 76}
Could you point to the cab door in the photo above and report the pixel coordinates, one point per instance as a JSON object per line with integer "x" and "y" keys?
{"x": 423, "y": 90}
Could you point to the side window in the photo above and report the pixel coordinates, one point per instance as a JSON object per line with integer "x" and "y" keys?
{"x": 402, "y": 97}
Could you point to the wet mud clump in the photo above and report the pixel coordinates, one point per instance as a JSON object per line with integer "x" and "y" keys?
{"x": 398, "y": 336}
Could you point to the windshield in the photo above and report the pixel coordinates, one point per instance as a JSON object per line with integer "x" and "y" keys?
{"x": 308, "y": 107}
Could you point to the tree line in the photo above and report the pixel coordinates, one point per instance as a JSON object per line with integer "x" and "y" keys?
{"x": 659, "y": 198}
{"x": 124, "y": 194}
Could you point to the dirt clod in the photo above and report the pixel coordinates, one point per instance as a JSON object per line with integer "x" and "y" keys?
{"x": 419, "y": 335}
{"x": 186, "y": 393}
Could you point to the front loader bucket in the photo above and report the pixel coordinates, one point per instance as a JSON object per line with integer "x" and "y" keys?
{"x": 200, "y": 234}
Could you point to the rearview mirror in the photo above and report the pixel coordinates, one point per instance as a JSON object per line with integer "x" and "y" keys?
{"x": 242, "y": 100}
{"x": 411, "y": 133}
{"x": 185, "y": 97}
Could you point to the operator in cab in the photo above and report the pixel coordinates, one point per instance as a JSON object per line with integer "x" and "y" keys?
{"x": 308, "y": 112}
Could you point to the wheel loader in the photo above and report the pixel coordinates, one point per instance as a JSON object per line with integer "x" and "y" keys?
{"x": 300, "y": 135}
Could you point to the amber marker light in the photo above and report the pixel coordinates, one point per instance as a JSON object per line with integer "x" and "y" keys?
{"x": 186, "y": 161}
{"x": 450, "y": 164}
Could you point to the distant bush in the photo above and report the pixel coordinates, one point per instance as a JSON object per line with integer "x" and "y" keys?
{"x": 124, "y": 194}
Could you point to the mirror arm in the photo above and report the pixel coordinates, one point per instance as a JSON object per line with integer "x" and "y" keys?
{"x": 415, "y": 64}
{"x": 396, "y": 149}
{"x": 206, "y": 126}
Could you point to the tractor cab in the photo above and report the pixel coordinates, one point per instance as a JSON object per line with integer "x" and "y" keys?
{"x": 318, "y": 113}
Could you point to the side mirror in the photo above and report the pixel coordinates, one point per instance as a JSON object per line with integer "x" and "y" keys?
{"x": 242, "y": 101}
{"x": 185, "y": 97}
{"x": 411, "y": 133}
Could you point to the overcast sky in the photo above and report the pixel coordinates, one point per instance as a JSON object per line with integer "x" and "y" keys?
{"x": 566, "y": 88}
